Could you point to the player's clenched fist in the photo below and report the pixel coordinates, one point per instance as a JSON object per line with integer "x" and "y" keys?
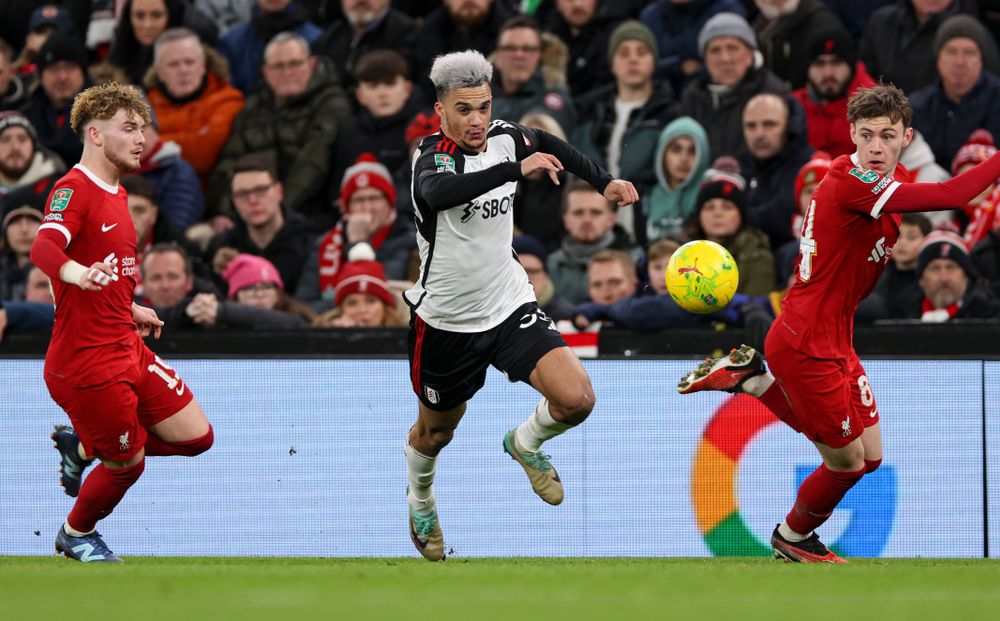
{"x": 621, "y": 192}
{"x": 542, "y": 161}
{"x": 92, "y": 278}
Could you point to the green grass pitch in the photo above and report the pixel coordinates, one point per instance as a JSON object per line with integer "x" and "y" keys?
{"x": 185, "y": 589}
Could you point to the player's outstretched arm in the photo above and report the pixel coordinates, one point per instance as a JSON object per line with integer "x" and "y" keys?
{"x": 955, "y": 193}
{"x": 575, "y": 161}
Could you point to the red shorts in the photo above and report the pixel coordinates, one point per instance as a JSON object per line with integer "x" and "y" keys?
{"x": 831, "y": 399}
{"x": 111, "y": 419}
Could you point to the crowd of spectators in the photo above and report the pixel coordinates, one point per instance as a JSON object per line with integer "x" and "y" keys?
{"x": 274, "y": 187}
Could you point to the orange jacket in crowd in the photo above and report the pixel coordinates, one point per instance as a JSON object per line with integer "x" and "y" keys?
{"x": 200, "y": 126}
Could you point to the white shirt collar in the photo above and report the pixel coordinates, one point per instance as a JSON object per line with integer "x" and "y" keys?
{"x": 110, "y": 189}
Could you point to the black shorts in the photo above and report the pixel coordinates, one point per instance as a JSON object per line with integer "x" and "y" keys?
{"x": 448, "y": 368}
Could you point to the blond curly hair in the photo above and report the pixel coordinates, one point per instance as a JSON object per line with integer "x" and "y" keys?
{"x": 104, "y": 101}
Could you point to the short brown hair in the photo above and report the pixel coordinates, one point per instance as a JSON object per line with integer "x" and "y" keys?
{"x": 255, "y": 162}
{"x": 663, "y": 247}
{"x": 579, "y": 185}
{"x": 882, "y": 100}
{"x": 620, "y": 257}
{"x": 382, "y": 67}
{"x": 103, "y": 102}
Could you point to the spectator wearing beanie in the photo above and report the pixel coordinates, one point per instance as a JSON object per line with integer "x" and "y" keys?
{"x": 675, "y": 26}
{"x": 833, "y": 74}
{"x": 965, "y": 97}
{"x": 368, "y": 203}
{"x": 982, "y": 215}
{"x": 532, "y": 256}
{"x": 62, "y": 65}
{"x": 189, "y": 90}
{"x": 721, "y": 216}
{"x": 621, "y": 122}
{"x": 255, "y": 281}
{"x": 898, "y": 42}
{"x": 362, "y": 296}
{"x": 785, "y": 39}
{"x": 733, "y": 74}
{"x": 22, "y": 162}
{"x": 20, "y": 226}
{"x": 950, "y": 284}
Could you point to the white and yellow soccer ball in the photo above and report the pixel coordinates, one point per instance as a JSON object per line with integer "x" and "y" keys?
{"x": 702, "y": 276}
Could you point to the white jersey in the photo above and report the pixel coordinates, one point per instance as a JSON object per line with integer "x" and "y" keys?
{"x": 470, "y": 279}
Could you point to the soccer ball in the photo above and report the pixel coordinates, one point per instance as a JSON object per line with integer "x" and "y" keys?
{"x": 702, "y": 276}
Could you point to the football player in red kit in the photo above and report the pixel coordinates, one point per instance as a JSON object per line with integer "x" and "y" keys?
{"x": 124, "y": 402}
{"x": 817, "y": 384}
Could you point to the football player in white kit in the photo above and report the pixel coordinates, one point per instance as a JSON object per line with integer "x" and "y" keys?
{"x": 473, "y": 306}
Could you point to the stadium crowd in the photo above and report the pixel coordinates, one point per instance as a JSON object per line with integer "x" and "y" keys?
{"x": 275, "y": 185}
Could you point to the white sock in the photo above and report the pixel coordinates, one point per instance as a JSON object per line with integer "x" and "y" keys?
{"x": 758, "y": 384}
{"x": 539, "y": 427}
{"x": 72, "y": 532}
{"x": 420, "y": 469}
{"x": 790, "y": 535}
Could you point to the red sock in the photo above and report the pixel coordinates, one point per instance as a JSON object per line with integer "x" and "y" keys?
{"x": 776, "y": 401}
{"x": 871, "y": 465}
{"x": 156, "y": 447}
{"x": 101, "y": 492}
{"x": 818, "y": 495}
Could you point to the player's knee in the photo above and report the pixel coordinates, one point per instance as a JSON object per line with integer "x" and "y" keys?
{"x": 202, "y": 444}
{"x": 438, "y": 439}
{"x": 871, "y": 465}
{"x": 129, "y": 474}
{"x": 575, "y": 410}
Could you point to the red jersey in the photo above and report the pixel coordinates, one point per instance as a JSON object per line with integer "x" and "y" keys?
{"x": 845, "y": 246}
{"x": 94, "y": 335}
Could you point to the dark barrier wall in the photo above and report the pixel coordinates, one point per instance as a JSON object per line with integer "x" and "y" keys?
{"x": 979, "y": 340}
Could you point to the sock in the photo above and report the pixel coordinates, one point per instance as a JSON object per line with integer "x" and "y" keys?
{"x": 818, "y": 495}
{"x": 758, "y": 384}
{"x": 100, "y": 494}
{"x": 539, "y": 427}
{"x": 776, "y": 401}
{"x": 83, "y": 455}
{"x": 871, "y": 465}
{"x": 790, "y": 535}
{"x": 157, "y": 447}
{"x": 420, "y": 469}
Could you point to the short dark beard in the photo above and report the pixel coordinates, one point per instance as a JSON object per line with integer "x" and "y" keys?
{"x": 15, "y": 173}
{"x": 828, "y": 98}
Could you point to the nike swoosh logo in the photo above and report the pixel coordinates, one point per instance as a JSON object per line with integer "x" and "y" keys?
{"x": 873, "y": 413}
{"x": 180, "y": 391}
{"x": 105, "y": 228}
